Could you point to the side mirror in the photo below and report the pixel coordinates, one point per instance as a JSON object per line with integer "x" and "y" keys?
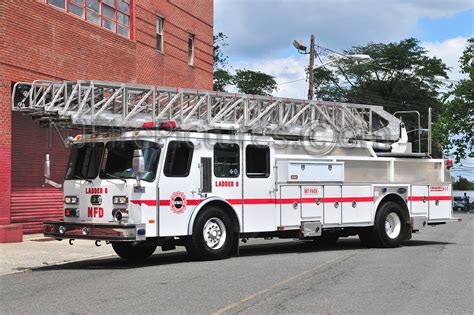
{"x": 47, "y": 174}
{"x": 47, "y": 167}
{"x": 138, "y": 162}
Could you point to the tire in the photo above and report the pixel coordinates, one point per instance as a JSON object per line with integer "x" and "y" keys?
{"x": 389, "y": 229}
{"x": 133, "y": 252}
{"x": 212, "y": 235}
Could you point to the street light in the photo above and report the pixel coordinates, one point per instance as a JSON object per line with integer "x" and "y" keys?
{"x": 300, "y": 46}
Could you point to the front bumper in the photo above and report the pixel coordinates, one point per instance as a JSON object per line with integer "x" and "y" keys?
{"x": 94, "y": 231}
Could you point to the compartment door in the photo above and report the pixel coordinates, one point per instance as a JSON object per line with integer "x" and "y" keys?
{"x": 440, "y": 202}
{"x": 312, "y": 202}
{"x": 290, "y": 209}
{"x": 419, "y": 200}
{"x": 357, "y": 204}
{"x": 332, "y": 205}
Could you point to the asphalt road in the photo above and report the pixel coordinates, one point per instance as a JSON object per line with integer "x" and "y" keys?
{"x": 433, "y": 273}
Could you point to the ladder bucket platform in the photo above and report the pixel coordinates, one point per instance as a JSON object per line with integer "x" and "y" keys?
{"x": 99, "y": 104}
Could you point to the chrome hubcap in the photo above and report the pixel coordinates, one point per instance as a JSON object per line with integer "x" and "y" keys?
{"x": 393, "y": 225}
{"x": 214, "y": 233}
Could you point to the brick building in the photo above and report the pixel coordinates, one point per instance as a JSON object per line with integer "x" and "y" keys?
{"x": 167, "y": 42}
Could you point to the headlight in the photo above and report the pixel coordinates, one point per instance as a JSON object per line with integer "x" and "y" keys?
{"x": 71, "y": 200}
{"x": 120, "y": 200}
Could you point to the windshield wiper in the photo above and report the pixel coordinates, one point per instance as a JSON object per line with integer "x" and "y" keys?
{"x": 115, "y": 177}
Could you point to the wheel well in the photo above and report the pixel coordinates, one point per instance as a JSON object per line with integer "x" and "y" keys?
{"x": 229, "y": 210}
{"x": 399, "y": 200}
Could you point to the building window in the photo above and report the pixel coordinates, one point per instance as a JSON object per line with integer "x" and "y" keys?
{"x": 114, "y": 15}
{"x": 58, "y": 3}
{"x": 159, "y": 33}
{"x": 178, "y": 159}
{"x": 191, "y": 49}
{"x": 226, "y": 160}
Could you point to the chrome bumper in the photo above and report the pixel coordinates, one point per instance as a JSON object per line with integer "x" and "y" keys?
{"x": 94, "y": 231}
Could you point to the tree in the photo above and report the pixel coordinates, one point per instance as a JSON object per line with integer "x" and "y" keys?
{"x": 463, "y": 184}
{"x": 455, "y": 127}
{"x": 220, "y": 59}
{"x": 254, "y": 82}
{"x": 400, "y": 76}
{"x": 222, "y": 79}
{"x": 246, "y": 81}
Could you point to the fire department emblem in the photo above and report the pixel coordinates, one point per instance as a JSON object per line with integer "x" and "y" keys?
{"x": 178, "y": 202}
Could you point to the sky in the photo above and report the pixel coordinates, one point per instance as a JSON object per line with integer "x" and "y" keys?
{"x": 260, "y": 33}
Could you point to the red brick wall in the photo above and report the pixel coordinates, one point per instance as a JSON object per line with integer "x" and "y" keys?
{"x": 5, "y": 152}
{"x": 46, "y": 41}
{"x": 39, "y": 41}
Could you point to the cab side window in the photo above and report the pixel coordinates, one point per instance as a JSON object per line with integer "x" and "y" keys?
{"x": 226, "y": 160}
{"x": 257, "y": 161}
{"x": 178, "y": 159}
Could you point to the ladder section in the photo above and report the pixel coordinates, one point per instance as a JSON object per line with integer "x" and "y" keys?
{"x": 100, "y": 104}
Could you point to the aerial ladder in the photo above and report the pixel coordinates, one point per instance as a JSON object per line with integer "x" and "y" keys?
{"x": 99, "y": 105}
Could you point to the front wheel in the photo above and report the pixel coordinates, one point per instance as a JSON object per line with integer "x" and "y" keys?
{"x": 389, "y": 229}
{"x": 212, "y": 235}
{"x": 133, "y": 252}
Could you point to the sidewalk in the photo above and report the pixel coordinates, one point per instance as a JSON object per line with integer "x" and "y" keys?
{"x": 38, "y": 251}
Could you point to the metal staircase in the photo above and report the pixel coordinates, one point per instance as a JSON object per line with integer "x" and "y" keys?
{"x": 98, "y": 104}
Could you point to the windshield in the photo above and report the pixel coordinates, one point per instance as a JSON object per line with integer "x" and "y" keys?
{"x": 84, "y": 161}
{"x": 118, "y": 158}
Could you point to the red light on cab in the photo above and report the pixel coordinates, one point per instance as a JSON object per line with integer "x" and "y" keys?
{"x": 449, "y": 164}
{"x": 171, "y": 124}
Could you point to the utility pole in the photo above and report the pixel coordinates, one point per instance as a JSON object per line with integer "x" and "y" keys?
{"x": 312, "y": 53}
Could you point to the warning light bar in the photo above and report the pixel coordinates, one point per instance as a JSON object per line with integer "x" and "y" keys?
{"x": 170, "y": 124}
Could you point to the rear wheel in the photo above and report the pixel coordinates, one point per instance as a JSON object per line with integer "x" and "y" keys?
{"x": 212, "y": 235}
{"x": 133, "y": 252}
{"x": 389, "y": 229}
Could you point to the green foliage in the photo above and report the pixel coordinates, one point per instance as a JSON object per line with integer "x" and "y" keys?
{"x": 254, "y": 82}
{"x": 400, "y": 76}
{"x": 222, "y": 79}
{"x": 220, "y": 59}
{"x": 463, "y": 184}
{"x": 246, "y": 81}
{"x": 454, "y": 128}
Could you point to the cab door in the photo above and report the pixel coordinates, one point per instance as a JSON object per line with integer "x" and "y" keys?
{"x": 227, "y": 172}
{"x": 259, "y": 208}
{"x": 177, "y": 187}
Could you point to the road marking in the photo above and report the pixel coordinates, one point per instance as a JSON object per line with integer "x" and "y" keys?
{"x": 279, "y": 284}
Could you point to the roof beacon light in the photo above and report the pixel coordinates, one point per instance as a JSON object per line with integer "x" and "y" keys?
{"x": 449, "y": 164}
{"x": 171, "y": 124}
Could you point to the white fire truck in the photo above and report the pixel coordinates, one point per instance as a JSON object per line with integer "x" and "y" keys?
{"x": 169, "y": 167}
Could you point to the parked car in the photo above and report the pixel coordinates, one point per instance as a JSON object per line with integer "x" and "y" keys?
{"x": 459, "y": 204}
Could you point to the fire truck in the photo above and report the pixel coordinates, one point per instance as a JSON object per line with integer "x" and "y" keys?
{"x": 158, "y": 166}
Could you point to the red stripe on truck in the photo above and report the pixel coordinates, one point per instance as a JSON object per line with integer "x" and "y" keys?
{"x": 259, "y": 201}
{"x": 428, "y": 198}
